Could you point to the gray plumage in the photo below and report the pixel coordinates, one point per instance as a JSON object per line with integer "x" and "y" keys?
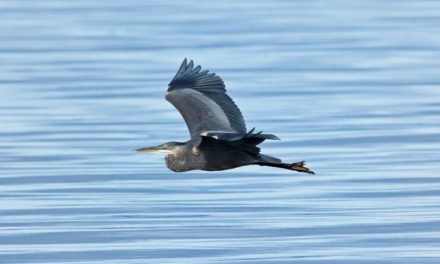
{"x": 201, "y": 98}
{"x": 219, "y": 138}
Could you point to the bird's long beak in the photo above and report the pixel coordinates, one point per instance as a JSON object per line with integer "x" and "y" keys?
{"x": 157, "y": 149}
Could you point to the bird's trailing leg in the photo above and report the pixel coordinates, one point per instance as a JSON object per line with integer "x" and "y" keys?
{"x": 297, "y": 166}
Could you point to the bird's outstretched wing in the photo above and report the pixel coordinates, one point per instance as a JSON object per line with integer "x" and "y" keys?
{"x": 203, "y": 103}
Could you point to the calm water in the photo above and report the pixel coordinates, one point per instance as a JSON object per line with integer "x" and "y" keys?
{"x": 352, "y": 87}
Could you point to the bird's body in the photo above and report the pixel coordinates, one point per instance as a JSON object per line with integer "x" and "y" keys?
{"x": 219, "y": 138}
{"x": 215, "y": 157}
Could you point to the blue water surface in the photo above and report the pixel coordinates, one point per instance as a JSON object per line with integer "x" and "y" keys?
{"x": 352, "y": 87}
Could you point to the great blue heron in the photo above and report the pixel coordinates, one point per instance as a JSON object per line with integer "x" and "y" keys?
{"x": 219, "y": 139}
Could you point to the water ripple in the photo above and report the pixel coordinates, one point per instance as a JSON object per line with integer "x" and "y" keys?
{"x": 351, "y": 87}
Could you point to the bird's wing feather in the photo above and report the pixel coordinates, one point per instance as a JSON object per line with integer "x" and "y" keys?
{"x": 203, "y": 103}
{"x": 199, "y": 112}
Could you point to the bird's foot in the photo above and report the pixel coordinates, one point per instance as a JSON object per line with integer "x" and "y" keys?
{"x": 299, "y": 166}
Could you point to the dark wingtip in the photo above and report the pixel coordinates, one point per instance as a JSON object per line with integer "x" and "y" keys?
{"x": 184, "y": 64}
{"x": 190, "y": 65}
{"x": 190, "y": 75}
{"x": 261, "y": 135}
{"x": 182, "y": 67}
{"x": 269, "y": 136}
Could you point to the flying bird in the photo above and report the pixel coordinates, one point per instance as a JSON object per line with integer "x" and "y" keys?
{"x": 219, "y": 138}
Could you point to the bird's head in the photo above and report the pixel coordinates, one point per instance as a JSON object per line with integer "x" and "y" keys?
{"x": 165, "y": 148}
